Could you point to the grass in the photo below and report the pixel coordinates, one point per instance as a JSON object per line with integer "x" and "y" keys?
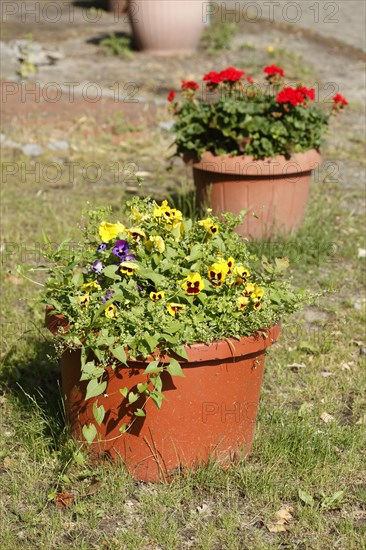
{"x": 316, "y": 468}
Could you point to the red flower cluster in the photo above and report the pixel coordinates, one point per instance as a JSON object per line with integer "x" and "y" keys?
{"x": 171, "y": 96}
{"x": 338, "y": 98}
{"x": 227, "y": 75}
{"x": 189, "y": 85}
{"x": 295, "y": 96}
{"x": 272, "y": 70}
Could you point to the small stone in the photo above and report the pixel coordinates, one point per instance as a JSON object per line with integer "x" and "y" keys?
{"x": 166, "y": 125}
{"x": 361, "y": 253}
{"x": 362, "y": 351}
{"x": 58, "y": 145}
{"x": 32, "y": 149}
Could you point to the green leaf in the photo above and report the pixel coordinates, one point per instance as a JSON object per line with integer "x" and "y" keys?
{"x": 174, "y": 368}
{"x": 157, "y": 383}
{"x": 132, "y": 397}
{"x": 141, "y": 388}
{"x": 124, "y": 392}
{"x": 153, "y": 367}
{"x": 157, "y": 397}
{"x": 98, "y": 413}
{"x": 120, "y": 354}
{"x": 111, "y": 272}
{"x": 123, "y": 428}
{"x": 89, "y": 432}
{"x": 152, "y": 342}
{"x": 139, "y": 412}
{"x": 78, "y": 279}
{"x": 305, "y": 497}
{"x": 95, "y": 388}
{"x": 157, "y": 279}
{"x": 91, "y": 371}
{"x": 181, "y": 351}
{"x": 79, "y": 458}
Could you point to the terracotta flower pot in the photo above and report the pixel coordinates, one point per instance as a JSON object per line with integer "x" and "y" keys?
{"x": 210, "y": 413}
{"x": 166, "y": 27}
{"x": 117, "y": 6}
{"x": 275, "y": 190}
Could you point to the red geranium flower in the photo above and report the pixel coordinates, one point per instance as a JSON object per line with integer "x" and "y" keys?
{"x": 338, "y": 98}
{"x": 212, "y": 78}
{"x": 272, "y": 70}
{"x": 310, "y": 93}
{"x": 231, "y": 75}
{"x": 171, "y": 96}
{"x": 189, "y": 85}
{"x": 291, "y": 95}
{"x": 250, "y": 79}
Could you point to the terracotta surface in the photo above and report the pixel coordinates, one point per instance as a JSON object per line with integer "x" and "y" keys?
{"x": 274, "y": 192}
{"x": 166, "y": 27}
{"x": 209, "y": 413}
{"x": 118, "y": 6}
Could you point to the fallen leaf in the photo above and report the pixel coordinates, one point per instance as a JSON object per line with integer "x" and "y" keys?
{"x": 284, "y": 514}
{"x": 326, "y": 417}
{"x": 7, "y": 462}
{"x": 93, "y": 488}
{"x": 282, "y": 519}
{"x": 325, "y": 374}
{"x": 63, "y": 500}
{"x": 361, "y": 420}
{"x": 277, "y": 527}
{"x": 13, "y": 279}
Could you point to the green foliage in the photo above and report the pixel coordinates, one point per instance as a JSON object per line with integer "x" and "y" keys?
{"x": 245, "y": 118}
{"x": 117, "y": 45}
{"x": 149, "y": 289}
{"x": 218, "y": 36}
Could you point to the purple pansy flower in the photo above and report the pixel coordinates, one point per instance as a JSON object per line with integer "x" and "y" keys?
{"x": 98, "y": 267}
{"x": 121, "y": 249}
{"x": 101, "y": 247}
{"x": 108, "y": 296}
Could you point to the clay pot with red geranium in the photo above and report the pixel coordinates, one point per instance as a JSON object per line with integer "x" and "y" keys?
{"x": 252, "y": 146}
{"x": 164, "y": 322}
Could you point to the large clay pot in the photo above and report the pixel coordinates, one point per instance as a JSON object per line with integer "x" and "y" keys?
{"x": 210, "y": 413}
{"x": 274, "y": 191}
{"x": 117, "y": 6}
{"x": 166, "y": 27}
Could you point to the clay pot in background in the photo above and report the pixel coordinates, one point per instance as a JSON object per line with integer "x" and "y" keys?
{"x": 167, "y": 27}
{"x": 274, "y": 192}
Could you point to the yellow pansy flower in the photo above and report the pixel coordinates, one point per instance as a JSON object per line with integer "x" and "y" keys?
{"x": 243, "y": 302}
{"x": 249, "y": 289}
{"x": 217, "y": 273}
{"x": 136, "y": 233}
{"x": 128, "y": 267}
{"x": 209, "y": 226}
{"x": 109, "y": 231}
{"x": 155, "y": 241}
{"x": 241, "y": 274}
{"x": 193, "y": 284}
{"x": 155, "y": 296}
{"x": 88, "y": 287}
{"x": 174, "y": 308}
{"x": 111, "y": 311}
{"x": 170, "y": 216}
{"x": 84, "y": 299}
{"x": 230, "y": 264}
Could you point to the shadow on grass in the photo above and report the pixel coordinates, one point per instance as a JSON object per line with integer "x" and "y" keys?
{"x": 30, "y": 372}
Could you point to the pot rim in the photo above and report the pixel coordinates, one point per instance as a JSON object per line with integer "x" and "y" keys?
{"x": 244, "y": 165}
{"x": 226, "y": 348}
